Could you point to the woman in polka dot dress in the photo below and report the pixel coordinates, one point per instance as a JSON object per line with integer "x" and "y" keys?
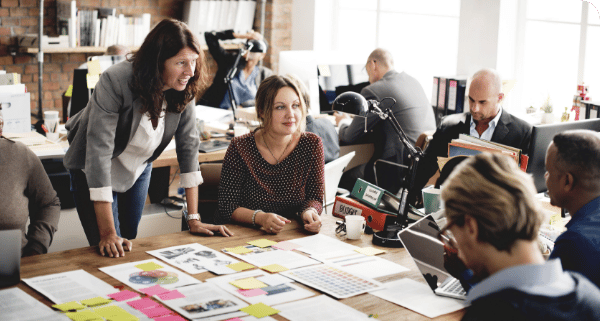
{"x": 276, "y": 172}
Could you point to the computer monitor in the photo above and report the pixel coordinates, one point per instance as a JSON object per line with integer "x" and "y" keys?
{"x": 335, "y": 80}
{"x": 541, "y": 137}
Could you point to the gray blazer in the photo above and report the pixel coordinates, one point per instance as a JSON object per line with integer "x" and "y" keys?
{"x": 102, "y": 130}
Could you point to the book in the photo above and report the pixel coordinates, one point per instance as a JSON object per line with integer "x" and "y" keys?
{"x": 348, "y": 206}
{"x": 375, "y": 197}
{"x": 469, "y": 146}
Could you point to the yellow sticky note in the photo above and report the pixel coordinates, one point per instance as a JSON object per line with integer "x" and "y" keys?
{"x": 259, "y": 310}
{"x": 85, "y": 315}
{"x": 262, "y": 243}
{"x": 92, "y": 80}
{"x": 150, "y": 266}
{"x": 94, "y": 67}
{"x": 69, "y": 306}
{"x": 69, "y": 92}
{"x": 248, "y": 284}
{"x": 240, "y": 266}
{"x": 111, "y": 311}
{"x": 369, "y": 251}
{"x": 238, "y": 250}
{"x": 274, "y": 268}
{"x": 95, "y": 301}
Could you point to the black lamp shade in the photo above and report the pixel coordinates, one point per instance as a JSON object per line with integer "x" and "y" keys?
{"x": 351, "y": 103}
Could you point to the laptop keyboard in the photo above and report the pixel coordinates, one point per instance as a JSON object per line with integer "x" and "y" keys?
{"x": 455, "y": 287}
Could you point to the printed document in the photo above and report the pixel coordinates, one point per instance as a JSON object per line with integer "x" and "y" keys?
{"x": 320, "y": 244}
{"x": 357, "y": 263}
{"x": 70, "y": 286}
{"x": 322, "y": 307}
{"x": 263, "y": 256}
{"x": 195, "y": 258}
{"x": 16, "y": 305}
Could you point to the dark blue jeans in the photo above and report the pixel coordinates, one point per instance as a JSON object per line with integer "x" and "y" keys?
{"x": 127, "y": 207}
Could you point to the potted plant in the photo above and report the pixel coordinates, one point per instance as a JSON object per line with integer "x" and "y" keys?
{"x": 547, "y": 116}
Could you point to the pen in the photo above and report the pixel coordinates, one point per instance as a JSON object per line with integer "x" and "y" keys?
{"x": 44, "y": 128}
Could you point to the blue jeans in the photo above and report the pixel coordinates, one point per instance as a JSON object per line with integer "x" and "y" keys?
{"x": 127, "y": 207}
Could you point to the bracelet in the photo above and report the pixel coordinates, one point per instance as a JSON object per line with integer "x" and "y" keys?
{"x": 254, "y": 217}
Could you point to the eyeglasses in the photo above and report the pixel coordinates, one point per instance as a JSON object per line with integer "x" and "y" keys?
{"x": 446, "y": 236}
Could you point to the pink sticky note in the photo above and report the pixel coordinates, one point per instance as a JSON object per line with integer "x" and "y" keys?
{"x": 157, "y": 289}
{"x": 251, "y": 293}
{"x": 286, "y": 246}
{"x": 142, "y": 304}
{"x": 171, "y": 295}
{"x": 156, "y": 312}
{"x": 234, "y": 319}
{"x": 123, "y": 295}
{"x": 171, "y": 318}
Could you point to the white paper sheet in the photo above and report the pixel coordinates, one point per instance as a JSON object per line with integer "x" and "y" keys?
{"x": 70, "y": 286}
{"x": 277, "y": 294}
{"x": 270, "y": 255}
{"x": 418, "y": 297}
{"x": 16, "y": 305}
{"x": 195, "y": 258}
{"x": 136, "y": 278}
{"x": 357, "y": 263}
{"x": 322, "y": 307}
{"x": 320, "y": 244}
{"x": 206, "y": 300}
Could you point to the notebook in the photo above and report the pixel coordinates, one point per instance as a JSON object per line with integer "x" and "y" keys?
{"x": 421, "y": 242}
{"x": 213, "y": 145}
{"x": 10, "y": 257}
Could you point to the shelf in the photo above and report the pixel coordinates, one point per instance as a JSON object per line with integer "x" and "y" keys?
{"x": 100, "y": 50}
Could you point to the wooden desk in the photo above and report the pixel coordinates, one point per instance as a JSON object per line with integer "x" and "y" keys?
{"x": 169, "y": 158}
{"x": 88, "y": 260}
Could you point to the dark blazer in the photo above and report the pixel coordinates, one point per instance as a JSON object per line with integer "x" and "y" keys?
{"x": 510, "y": 130}
{"x": 326, "y": 130}
{"x": 225, "y": 59}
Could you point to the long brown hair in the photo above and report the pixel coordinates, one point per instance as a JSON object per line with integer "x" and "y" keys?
{"x": 162, "y": 43}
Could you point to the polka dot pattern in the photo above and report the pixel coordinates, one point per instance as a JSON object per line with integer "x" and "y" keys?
{"x": 287, "y": 188}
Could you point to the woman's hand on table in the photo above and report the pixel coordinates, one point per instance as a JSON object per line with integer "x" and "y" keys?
{"x": 271, "y": 222}
{"x": 197, "y": 227}
{"x": 312, "y": 221}
{"x": 113, "y": 245}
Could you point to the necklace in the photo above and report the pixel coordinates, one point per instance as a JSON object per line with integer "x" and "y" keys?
{"x": 277, "y": 160}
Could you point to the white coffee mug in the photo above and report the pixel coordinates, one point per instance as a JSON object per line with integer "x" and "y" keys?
{"x": 355, "y": 226}
{"x": 239, "y": 130}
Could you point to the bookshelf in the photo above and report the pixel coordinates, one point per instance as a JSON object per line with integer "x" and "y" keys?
{"x": 99, "y": 50}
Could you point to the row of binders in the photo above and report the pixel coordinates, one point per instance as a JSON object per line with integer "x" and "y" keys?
{"x": 208, "y": 15}
{"x": 448, "y": 96}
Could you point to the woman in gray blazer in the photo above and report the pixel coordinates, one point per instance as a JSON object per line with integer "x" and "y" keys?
{"x": 136, "y": 109}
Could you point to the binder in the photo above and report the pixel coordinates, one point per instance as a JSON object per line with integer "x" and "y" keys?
{"x": 441, "y": 100}
{"x": 375, "y": 219}
{"x": 591, "y": 110}
{"x": 456, "y": 88}
{"x": 375, "y": 197}
{"x": 434, "y": 94}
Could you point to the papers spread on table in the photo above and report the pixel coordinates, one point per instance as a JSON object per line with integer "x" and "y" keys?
{"x": 279, "y": 289}
{"x": 195, "y": 258}
{"x": 206, "y": 300}
{"x": 357, "y": 263}
{"x": 69, "y": 286}
{"x": 333, "y": 281}
{"x": 20, "y": 306}
{"x": 143, "y": 274}
{"x": 38, "y": 143}
{"x": 418, "y": 297}
{"x": 322, "y": 307}
{"x": 269, "y": 255}
{"x": 319, "y": 244}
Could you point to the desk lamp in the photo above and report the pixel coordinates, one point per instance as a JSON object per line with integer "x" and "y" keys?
{"x": 353, "y": 103}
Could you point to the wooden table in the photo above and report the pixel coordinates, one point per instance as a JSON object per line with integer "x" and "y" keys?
{"x": 88, "y": 259}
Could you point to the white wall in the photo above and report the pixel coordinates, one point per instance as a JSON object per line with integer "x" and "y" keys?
{"x": 303, "y": 24}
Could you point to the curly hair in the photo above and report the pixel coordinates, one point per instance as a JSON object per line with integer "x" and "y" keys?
{"x": 165, "y": 41}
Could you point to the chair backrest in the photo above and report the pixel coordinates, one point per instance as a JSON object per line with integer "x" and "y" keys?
{"x": 333, "y": 174}
{"x": 211, "y": 174}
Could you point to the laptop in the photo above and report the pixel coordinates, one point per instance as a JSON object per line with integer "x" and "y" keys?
{"x": 421, "y": 242}
{"x": 10, "y": 257}
{"x": 213, "y": 145}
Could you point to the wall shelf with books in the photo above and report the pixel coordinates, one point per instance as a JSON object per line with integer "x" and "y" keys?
{"x": 99, "y": 50}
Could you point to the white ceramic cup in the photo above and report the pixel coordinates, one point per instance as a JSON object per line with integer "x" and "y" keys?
{"x": 355, "y": 226}
{"x": 239, "y": 130}
{"x": 51, "y": 122}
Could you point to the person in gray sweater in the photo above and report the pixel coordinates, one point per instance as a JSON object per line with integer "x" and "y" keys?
{"x": 27, "y": 194}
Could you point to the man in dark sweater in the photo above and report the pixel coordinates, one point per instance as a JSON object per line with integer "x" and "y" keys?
{"x": 493, "y": 219}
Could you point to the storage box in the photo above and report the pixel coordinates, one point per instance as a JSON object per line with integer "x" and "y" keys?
{"x": 16, "y": 109}
{"x": 31, "y": 40}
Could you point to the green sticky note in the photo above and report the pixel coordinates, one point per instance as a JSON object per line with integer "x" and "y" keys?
{"x": 69, "y": 306}
{"x": 150, "y": 266}
{"x": 238, "y": 250}
{"x": 85, "y": 315}
{"x": 248, "y": 284}
{"x": 240, "y": 266}
{"x": 69, "y": 92}
{"x": 95, "y": 301}
{"x": 259, "y": 310}
{"x": 262, "y": 243}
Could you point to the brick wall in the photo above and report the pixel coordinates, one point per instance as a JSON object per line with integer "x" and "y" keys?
{"x": 18, "y": 17}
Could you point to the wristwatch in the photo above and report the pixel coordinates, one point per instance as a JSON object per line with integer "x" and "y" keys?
{"x": 191, "y": 216}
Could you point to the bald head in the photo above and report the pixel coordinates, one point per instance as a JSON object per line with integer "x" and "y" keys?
{"x": 380, "y": 62}
{"x": 488, "y": 77}
{"x": 485, "y": 95}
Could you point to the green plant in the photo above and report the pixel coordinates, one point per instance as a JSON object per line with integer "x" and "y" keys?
{"x": 547, "y": 106}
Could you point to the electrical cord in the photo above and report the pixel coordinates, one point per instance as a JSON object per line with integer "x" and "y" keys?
{"x": 183, "y": 198}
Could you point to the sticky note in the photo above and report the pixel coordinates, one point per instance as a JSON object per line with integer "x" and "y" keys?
{"x": 156, "y": 312}
{"x": 171, "y": 295}
{"x": 251, "y": 293}
{"x": 64, "y": 307}
{"x": 170, "y": 318}
{"x": 109, "y": 312}
{"x": 150, "y": 266}
{"x": 262, "y": 243}
{"x": 69, "y": 91}
{"x": 234, "y": 319}
{"x": 95, "y": 301}
{"x": 156, "y": 289}
{"x": 259, "y": 310}
{"x": 85, "y": 315}
{"x": 240, "y": 266}
{"x": 123, "y": 295}
{"x": 286, "y": 246}
{"x": 143, "y": 304}
{"x": 274, "y": 268}
{"x": 238, "y": 250}
{"x": 248, "y": 283}
{"x": 369, "y": 251}
{"x": 92, "y": 80}
{"x": 94, "y": 67}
